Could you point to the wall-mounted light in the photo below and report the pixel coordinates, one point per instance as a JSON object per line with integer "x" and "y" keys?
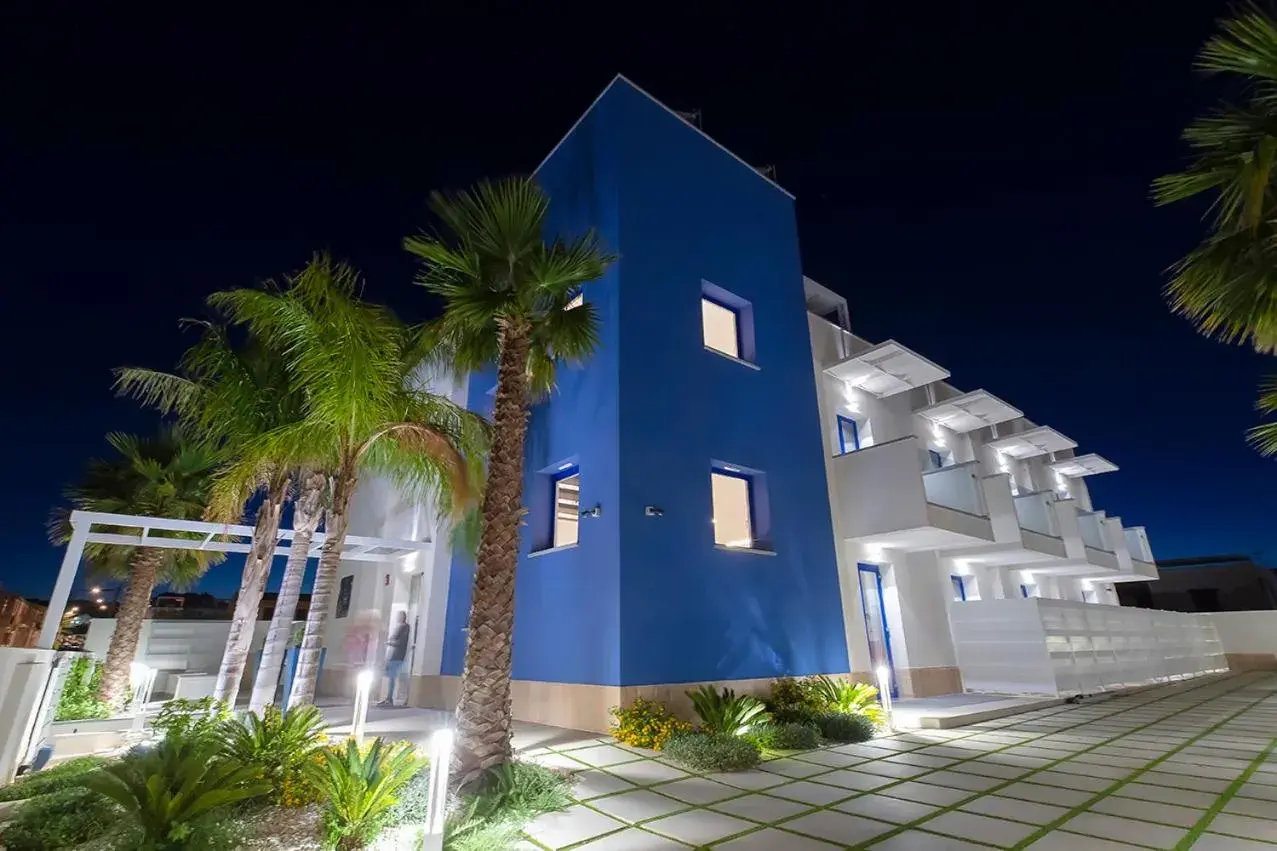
{"x": 652, "y": 511}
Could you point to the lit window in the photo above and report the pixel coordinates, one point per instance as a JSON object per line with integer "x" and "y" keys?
{"x": 720, "y": 327}
{"x": 733, "y": 513}
{"x": 567, "y": 508}
{"x": 577, "y": 301}
{"x": 959, "y": 589}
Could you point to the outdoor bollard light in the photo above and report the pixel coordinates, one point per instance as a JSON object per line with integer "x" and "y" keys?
{"x": 884, "y": 692}
{"x": 437, "y": 797}
{"x": 141, "y": 680}
{"x": 363, "y": 688}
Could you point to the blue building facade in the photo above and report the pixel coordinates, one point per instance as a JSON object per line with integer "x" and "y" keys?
{"x": 645, "y": 596}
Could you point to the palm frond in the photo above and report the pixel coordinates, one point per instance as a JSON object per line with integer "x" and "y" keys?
{"x": 1246, "y": 44}
{"x": 1227, "y": 287}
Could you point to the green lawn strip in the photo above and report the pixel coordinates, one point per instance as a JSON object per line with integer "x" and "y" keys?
{"x": 1026, "y": 777}
{"x": 1224, "y": 797}
{"x": 1133, "y": 776}
{"x": 1179, "y": 689}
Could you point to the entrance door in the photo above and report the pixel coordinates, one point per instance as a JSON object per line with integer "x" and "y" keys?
{"x": 876, "y": 620}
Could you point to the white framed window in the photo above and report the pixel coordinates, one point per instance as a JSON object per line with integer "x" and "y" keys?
{"x": 720, "y": 327}
{"x": 733, "y": 509}
{"x": 567, "y": 508}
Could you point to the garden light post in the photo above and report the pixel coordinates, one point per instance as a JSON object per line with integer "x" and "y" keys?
{"x": 884, "y": 691}
{"x": 363, "y": 688}
{"x": 437, "y": 798}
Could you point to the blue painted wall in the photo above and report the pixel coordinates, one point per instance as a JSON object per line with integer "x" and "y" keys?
{"x": 647, "y": 599}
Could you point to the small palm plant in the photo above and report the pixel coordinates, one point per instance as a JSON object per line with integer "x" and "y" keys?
{"x": 168, "y": 789}
{"x": 726, "y": 712}
{"x": 848, "y": 698}
{"x": 359, "y": 787}
{"x": 279, "y": 744}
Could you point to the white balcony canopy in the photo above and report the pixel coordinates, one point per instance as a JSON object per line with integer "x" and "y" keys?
{"x": 134, "y": 531}
{"x": 887, "y": 369}
{"x": 1083, "y": 465}
{"x": 1032, "y": 443}
{"x": 970, "y": 411}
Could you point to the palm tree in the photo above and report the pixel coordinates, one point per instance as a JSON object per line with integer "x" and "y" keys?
{"x": 1227, "y": 285}
{"x": 163, "y": 476}
{"x": 354, "y": 364}
{"x": 226, "y": 395}
{"x": 507, "y": 295}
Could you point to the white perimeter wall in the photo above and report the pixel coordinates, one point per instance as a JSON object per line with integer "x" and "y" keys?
{"x": 1247, "y": 632}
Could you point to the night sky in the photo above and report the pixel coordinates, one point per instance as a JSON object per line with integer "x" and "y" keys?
{"x": 972, "y": 177}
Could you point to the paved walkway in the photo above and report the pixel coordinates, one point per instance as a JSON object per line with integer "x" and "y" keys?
{"x": 1177, "y": 767}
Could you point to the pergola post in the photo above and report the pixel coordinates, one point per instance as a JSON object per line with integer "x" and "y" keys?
{"x": 66, "y": 579}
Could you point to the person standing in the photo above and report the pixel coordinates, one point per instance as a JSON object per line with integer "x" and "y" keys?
{"x": 395, "y": 655}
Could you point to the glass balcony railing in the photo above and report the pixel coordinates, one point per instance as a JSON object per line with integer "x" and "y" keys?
{"x": 1033, "y": 510}
{"x": 955, "y": 487}
{"x": 1092, "y": 531}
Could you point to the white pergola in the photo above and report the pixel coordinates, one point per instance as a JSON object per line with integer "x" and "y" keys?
{"x": 213, "y": 537}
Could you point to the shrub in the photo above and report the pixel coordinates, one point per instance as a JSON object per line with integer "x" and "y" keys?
{"x": 169, "y": 789}
{"x": 510, "y": 796}
{"x": 64, "y": 775}
{"x": 787, "y": 736}
{"x": 849, "y": 698}
{"x": 358, "y": 788}
{"x": 190, "y": 720}
{"x": 845, "y": 726}
{"x": 278, "y": 744}
{"x": 645, "y": 724}
{"x": 61, "y": 819}
{"x": 725, "y": 711}
{"x": 712, "y": 752}
{"x": 79, "y": 692}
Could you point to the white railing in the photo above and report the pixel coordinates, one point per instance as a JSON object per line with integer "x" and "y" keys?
{"x": 955, "y": 487}
{"x": 1034, "y": 513}
{"x": 1137, "y": 544}
{"x": 1062, "y": 647}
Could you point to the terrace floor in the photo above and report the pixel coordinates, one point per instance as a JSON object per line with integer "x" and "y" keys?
{"x": 1190, "y": 765}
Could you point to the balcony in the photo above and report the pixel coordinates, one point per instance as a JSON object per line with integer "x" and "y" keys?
{"x": 1060, "y": 647}
{"x": 886, "y": 500}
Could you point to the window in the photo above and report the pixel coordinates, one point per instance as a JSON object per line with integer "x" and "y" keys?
{"x": 721, "y": 328}
{"x": 577, "y": 301}
{"x": 727, "y": 323}
{"x": 959, "y": 589}
{"x": 848, "y": 435}
{"x": 567, "y": 508}
{"x": 937, "y": 460}
{"x": 1028, "y": 590}
{"x": 733, "y": 509}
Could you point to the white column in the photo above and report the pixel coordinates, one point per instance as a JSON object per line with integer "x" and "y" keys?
{"x": 66, "y": 579}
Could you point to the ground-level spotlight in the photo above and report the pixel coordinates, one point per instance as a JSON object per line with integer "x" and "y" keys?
{"x": 437, "y": 800}
{"x": 884, "y": 692}
{"x": 363, "y": 688}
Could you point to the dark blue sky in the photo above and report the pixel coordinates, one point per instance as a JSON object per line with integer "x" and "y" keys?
{"x": 973, "y": 177}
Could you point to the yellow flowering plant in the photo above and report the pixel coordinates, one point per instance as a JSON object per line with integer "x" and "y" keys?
{"x": 645, "y": 724}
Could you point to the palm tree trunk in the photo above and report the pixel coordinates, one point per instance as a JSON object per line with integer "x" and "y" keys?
{"x": 335, "y": 526}
{"x": 114, "y": 688}
{"x": 249, "y": 600}
{"x": 307, "y": 509}
{"x": 483, "y": 709}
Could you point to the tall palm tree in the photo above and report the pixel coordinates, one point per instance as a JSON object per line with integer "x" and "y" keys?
{"x": 162, "y": 476}
{"x": 354, "y": 364}
{"x": 1227, "y": 285}
{"x": 226, "y": 395}
{"x": 506, "y": 295}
